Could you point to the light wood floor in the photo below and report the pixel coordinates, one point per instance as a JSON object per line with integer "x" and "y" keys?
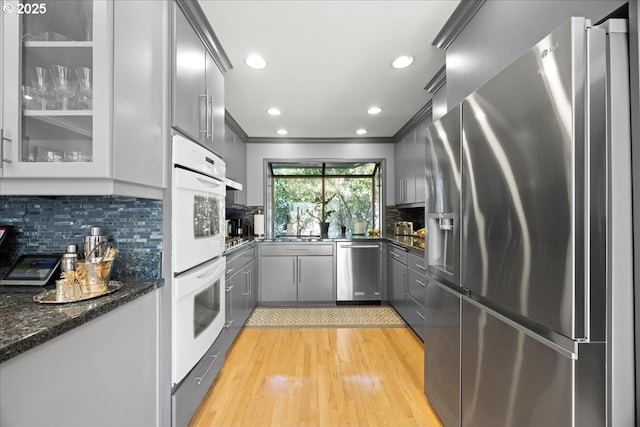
{"x": 320, "y": 377}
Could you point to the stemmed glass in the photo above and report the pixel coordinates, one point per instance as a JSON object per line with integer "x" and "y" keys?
{"x": 40, "y": 82}
{"x": 62, "y": 86}
{"x": 85, "y": 89}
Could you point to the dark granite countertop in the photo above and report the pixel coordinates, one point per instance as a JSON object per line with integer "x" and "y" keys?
{"x": 25, "y": 323}
{"x": 411, "y": 243}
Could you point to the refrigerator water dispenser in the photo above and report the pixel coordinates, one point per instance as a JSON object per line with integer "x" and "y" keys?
{"x": 440, "y": 242}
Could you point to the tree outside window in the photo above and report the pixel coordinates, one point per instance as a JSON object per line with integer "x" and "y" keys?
{"x": 305, "y": 195}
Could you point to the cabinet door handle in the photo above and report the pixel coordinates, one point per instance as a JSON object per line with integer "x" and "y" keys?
{"x": 295, "y": 268}
{"x": 299, "y": 271}
{"x": 203, "y": 113}
{"x": 229, "y": 288}
{"x": 209, "y": 116}
{"x": 230, "y": 270}
{"x": 395, "y": 255}
{"x": 228, "y": 324}
{"x": 420, "y": 314}
{"x": 204, "y": 374}
{"x": 421, "y": 284}
{"x": 2, "y": 140}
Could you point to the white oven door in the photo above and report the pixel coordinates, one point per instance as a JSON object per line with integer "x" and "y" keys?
{"x": 198, "y": 315}
{"x": 198, "y": 219}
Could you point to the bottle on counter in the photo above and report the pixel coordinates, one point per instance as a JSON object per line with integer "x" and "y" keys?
{"x": 95, "y": 245}
{"x": 69, "y": 259}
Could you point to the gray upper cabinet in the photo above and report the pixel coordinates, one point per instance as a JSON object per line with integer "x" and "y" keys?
{"x": 236, "y": 163}
{"x": 188, "y": 80}
{"x": 410, "y": 166}
{"x": 198, "y": 88}
{"x": 88, "y": 140}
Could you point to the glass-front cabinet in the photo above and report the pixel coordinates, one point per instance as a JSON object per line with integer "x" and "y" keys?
{"x": 56, "y": 121}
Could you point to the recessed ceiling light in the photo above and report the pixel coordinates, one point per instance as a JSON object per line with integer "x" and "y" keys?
{"x": 282, "y": 131}
{"x": 273, "y": 111}
{"x": 374, "y": 110}
{"x": 361, "y": 131}
{"x": 402, "y": 61}
{"x": 256, "y": 62}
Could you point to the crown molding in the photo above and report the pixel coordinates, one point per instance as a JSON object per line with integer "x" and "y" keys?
{"x": 285, "y": 140}
{"x": 439, "y": 80}
{"x": 456, "y": 23}
{"x": 235, "y": 127}
{"x": 195, "y": 15}
{"x": 418, "y": 118}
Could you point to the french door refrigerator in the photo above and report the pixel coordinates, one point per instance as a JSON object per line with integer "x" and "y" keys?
{"x": 545, "y": 272}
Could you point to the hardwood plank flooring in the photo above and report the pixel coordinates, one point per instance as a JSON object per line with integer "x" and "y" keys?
{"x": 320, "y": 377}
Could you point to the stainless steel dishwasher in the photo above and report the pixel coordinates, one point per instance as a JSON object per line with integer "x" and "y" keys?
{"x": 359, "y": 271}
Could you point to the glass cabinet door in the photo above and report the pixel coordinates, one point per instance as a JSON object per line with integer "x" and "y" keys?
{"x": 56, "y": 107}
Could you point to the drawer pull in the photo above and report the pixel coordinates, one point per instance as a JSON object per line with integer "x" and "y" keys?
{"x": 421, "y": 284}
{"x": 229, "y": 288}
{"x": 421, "y": 267}
{"x": 213, "y": 360}
{"x": 420, "y": 314}
{"x": 231, "y": 270}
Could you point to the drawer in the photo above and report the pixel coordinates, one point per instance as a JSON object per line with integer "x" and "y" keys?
{"x": 416, "y": 287}
{"x": 415, "y": 318}
{"x": 416, "y": 262}
{"x": 296, "y": 249}
{"x": 189, "y": 394}
{"x": 238, "y": 260}
{"x": 398, "y": 253}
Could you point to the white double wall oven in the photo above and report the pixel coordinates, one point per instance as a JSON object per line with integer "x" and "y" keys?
{"x": 198, "y": 213}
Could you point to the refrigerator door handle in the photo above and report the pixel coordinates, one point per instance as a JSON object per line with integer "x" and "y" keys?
{"x": 562, "y": 344}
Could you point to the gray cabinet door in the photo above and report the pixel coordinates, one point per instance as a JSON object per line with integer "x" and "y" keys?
{"x": 252, "y": 300}
{"x": 240, "y": 159}
{"x": 278, "y": 278}
{"x": 188, "y": 79}
{"x": 315, "y": 278}
{"x": 229, "y": 153}
{"x": 215, "y": 107}
{"x": 397, "y": 279}
{"x": 420, "y": 160}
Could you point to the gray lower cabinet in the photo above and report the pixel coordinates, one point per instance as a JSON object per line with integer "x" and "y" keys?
{"x": 297, "y": 273}
{"x": 188, "y": 395}
{"x": 407, "y": 286}
{"x": 103, "y": 372}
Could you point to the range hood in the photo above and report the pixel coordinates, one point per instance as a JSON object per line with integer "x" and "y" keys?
{"x": 232, "y": 185}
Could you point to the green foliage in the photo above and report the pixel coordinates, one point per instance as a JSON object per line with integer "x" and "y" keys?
{"x": 298, "y": 201}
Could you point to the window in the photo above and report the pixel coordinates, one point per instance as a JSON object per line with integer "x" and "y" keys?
{"x": 304, "y": 195}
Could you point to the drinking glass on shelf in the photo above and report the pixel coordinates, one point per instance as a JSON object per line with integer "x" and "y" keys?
{"x": 29, "y": 98}
{"x": 41, "y": 85}
{"x": 85, "y": 88}
{"x": 63, "y": 88}
{"x": 85, "y": 12}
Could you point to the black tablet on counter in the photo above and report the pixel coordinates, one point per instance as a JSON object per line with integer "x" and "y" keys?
{"x": 33, "y": 270}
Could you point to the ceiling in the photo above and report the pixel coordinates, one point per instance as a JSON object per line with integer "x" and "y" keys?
{"x": 327, "y": 63}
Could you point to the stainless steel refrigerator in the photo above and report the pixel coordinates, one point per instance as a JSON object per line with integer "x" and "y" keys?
{"x": 544, "y": 278}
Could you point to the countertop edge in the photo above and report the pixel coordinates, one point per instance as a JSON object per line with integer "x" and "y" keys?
{"x": 44, "y": 334}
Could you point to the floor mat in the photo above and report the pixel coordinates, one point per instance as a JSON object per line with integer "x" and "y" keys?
{"x": 325, "y": 317}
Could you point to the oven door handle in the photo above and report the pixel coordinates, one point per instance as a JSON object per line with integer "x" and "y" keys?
{"x": 187, "y": 180}
{"x": 210, "y": 184}
{"x": 195, "y": 282}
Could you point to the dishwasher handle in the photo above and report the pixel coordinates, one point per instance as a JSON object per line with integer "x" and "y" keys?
{"x": 361, "y": 247}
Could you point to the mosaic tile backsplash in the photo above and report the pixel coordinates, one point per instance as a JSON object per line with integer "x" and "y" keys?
{"x": 48, "y": 224}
